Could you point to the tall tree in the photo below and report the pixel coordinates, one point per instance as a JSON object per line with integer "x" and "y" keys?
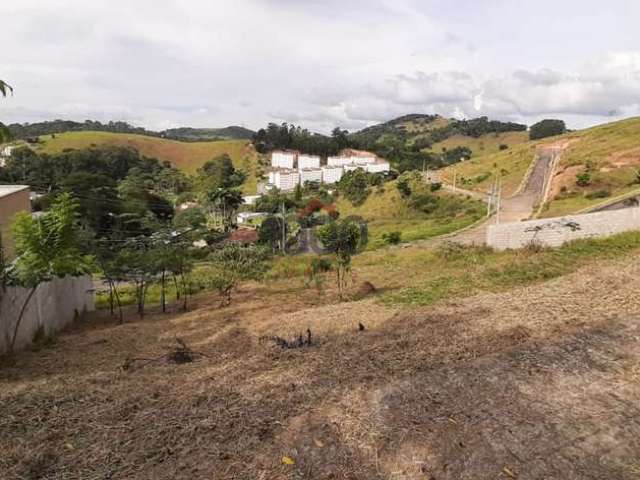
{"x": 47, "y": 247}
{"x": 5, "y": 135}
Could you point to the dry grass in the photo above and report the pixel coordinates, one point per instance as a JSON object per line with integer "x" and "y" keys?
{"x": 540, "y": 382}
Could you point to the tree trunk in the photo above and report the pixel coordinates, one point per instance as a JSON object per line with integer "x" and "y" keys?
{"x": 22, "y": 310}
{"x": 164, "y": 303}
{"x": 117, "y": 295}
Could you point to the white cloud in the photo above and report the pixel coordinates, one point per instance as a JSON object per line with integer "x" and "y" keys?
{"x": 319, "y": 63}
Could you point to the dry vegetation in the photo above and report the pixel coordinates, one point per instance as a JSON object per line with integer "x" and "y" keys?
{"x": 540, "y": 381}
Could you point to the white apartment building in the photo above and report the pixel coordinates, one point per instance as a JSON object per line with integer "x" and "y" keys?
{"x": 310, "y": 175}
{"x": 378, "y": 167}
{"x": 284, "y": 179}
{"x": 339, "y": 161}
{"x": 280, "y": 159}
{"x": 331, "y": 174}
{"x": 308, "y": 161}
{"x": 363, "y": 160}
{"x": 351, "y": 168}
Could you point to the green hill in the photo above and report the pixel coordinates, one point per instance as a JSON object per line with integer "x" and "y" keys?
{"x": 187, "y": 156}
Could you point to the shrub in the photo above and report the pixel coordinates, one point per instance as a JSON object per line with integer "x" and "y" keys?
{"x": 598, "y": 194}
{"x": 547, "y": 128}
{"x": 392, "y": 238}
{"x": 583, "y": 179}
{"x": 435, "y": 186}
{"x": 503, "y": 146}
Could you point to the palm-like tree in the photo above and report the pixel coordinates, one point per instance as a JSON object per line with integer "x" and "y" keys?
{"x": 5, "y": 88}
{"x": 226, "y": 201}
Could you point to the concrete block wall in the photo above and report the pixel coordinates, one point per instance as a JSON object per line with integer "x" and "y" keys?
{"x": 54, "y": 305}
{"x": 553, "y": 232}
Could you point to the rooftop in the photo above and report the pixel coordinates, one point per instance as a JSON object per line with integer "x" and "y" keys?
{"x": 10, "y": 189}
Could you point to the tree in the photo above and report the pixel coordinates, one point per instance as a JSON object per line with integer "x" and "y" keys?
{"x": 218, "y": 173}
{"x": 46, "y": 247}
{"x": 233, "y": 264}
{"x": 5, "y": 134}
{"x": 354, "y": 186}
{"x": 226, "y": 202}
{"x": 270, "y": 231}
{"x": 343, "y": 239}
{"x": 547, "y": 128}
{"x": 190, "y": 218}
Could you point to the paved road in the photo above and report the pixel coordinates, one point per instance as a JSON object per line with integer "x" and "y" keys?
{"x": 513, "y": 209}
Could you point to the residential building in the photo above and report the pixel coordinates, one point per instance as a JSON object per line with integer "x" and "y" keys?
{"x": 284, "y": 179}
{"x": 282, "y": 159}
{"x": 310, "y": 175}
{"x": 331, "y": 174}
{"x": 378, "y": 167}
{"x": 13, "y": 199}
{"x": 308, "y": 161}
{"x": 250, "y": 199}
{"x": 246, "y": 217}
{"x": 339, "y": 161}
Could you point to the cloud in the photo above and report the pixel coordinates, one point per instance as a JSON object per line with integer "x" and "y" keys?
{"x": 319, "y": 63}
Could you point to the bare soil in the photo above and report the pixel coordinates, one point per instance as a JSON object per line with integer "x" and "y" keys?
{"x": 540, "y": 382}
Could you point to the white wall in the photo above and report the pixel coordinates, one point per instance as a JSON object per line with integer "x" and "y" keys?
{"x": 378, "y": 167}
{"x": 553, "y": 232}
{"x": 308, "y": 161}
{"x": 310, "y": 175}
{"x": 286, "y": 181}
{"x": 54, "y": 305}
{"x": 282, "y": 159}
{"x": 331, "y": 174}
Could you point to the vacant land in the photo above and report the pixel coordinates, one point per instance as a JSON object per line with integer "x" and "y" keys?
{"x": 187, "y": 156}
{"x": 517, "y": 377}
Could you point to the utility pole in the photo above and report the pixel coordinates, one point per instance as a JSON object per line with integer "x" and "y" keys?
{"x": 454, "y": 179}
{"x": 490, "y": 194}
{"x": 284, "y": 232}
{"x": 498, "y": 201}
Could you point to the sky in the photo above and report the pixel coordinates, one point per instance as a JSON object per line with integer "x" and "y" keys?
{"x": 319, "y": 63}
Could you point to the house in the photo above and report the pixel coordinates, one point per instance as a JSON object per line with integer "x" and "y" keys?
{"x": 250, "y": 199}
{"x": 13, "y": 199}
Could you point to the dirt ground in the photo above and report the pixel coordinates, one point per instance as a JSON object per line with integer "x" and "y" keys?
{"x": 538, "y": 383}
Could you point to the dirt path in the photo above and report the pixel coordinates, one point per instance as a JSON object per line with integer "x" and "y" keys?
{"x": 540, "y": 382}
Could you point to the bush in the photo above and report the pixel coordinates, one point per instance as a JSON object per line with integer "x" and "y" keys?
{"x": 583, "y": 179}
{"x": 435, "y": 186}
{"x": 598, "y": 194}
{"x": 503, "y": 146}
{"x": 392, "y": 238}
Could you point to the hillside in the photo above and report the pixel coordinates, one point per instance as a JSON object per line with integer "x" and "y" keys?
{"x": 208, "y": 134}
{"x": 471, "y": 364}
{"x": 386, "y": 211}
{"x": 608, "y": 154}
{"x": 187, "y": 156}
{"x": 31, "y": 130}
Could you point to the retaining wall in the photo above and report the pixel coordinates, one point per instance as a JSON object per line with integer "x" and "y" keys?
{"x": 54, "y": 305}
{"x": 553, "y": 232}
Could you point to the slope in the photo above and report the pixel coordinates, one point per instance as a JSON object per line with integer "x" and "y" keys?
{"x": 187, "y": 156}
{"x": 386, "y": 211}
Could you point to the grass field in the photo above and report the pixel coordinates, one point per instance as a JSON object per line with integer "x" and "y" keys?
{"x": 187, "y": 156}
{"x": 610, "y": 154}
{"x": 386, "y": 211}
{"x": 478, "y": 173}
{"x": 484, "y": 145}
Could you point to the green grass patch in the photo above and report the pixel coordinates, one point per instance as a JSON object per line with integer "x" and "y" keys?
{"x": 473, "y": 270}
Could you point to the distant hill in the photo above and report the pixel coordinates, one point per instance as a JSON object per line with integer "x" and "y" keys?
{"x": 29, "y": 130}
{"x": 422, "y": 132}
{"x": 207, "y": 134}
{"x": 187, "y": 156}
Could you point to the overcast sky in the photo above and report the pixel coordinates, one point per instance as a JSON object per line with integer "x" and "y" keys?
{"x": 321, "y": 64}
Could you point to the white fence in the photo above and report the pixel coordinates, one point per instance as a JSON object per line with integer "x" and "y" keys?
{"x": 553, "y": 232}
{"x": 54, "y": 305}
